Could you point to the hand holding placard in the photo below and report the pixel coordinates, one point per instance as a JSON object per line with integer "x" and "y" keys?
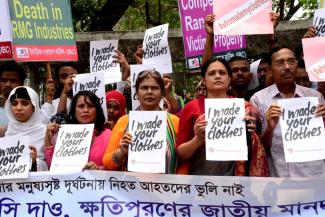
{"x": 14, "y": 157}
{"x": 225, "y": 134}
{"x": 300, "y": 127}
{"x": 72, "y": 147}
{"x": 147, "y": 152}
{"x": 101, "y": 60}
{"x": 319, "y": 22}
{"x": 156, "y": 48}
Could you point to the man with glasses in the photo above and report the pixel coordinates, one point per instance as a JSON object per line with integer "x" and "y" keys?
{"x": 283, "y": 69}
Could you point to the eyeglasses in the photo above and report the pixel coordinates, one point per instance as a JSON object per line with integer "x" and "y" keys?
{"x": 281, "y": 63}
{"x": 152, "y": 73}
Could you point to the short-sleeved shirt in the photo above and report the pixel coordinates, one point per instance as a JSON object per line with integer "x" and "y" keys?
{"x": 278, "y": 166}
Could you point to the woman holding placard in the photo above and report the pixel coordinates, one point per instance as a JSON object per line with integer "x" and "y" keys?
{"x": 85, "y": 109}
{"x": 216, "y": 75}
{"x": 150, "y": 89}
{"x": 22, "y": 108}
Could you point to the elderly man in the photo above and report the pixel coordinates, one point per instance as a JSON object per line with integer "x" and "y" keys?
{"x": 283, "y": 69}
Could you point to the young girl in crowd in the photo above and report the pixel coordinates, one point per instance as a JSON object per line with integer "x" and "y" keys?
{"x": 22, "y": 108}
{"x": 85, "y": 109}
{"x": 216, "y": 76}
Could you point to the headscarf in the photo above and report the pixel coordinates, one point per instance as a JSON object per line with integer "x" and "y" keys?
{"x": 33, "y": 128}
{"x": 118, "y": 98}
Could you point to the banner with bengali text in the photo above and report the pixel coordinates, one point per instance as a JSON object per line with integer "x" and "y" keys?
{"x": 192, "y": 14}
{"x": 104, "y": 193}
{"x": 42, "y": 30}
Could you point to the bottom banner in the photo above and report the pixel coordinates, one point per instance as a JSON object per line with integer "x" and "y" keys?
{"x": 105, "y": 193}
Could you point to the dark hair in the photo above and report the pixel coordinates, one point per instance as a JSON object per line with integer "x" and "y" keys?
{"x": 20, "y": 93}
{"x": 237, "y": 58}
{"x": 205, "y": 66}
{"x": 155, "y": 75}
{"x": 301, "y": 64}
{"x": 100, "y": 118}
{"x": 14, "y": 68}
{"x": 276, "y": 49}
{"x": 64, "y": 64}
{"x": 265, "y": 58}
{"x": 59, "y": 87}
{"x": 299, "y": 51}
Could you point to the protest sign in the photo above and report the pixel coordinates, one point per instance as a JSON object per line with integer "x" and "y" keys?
{"x": 72, "y": 147}
{"x": 225, "y": 134}
{"x": 135, "y": 70}
{"x": 42, "y": 31}
{"x": 194, "y": 36}
{"x": 243, "y": 17}
{"x": 5, "y": 31}
{"x": 254, "y": 80}
{"x": 156, "y": 48}
{"x": 14, "y": 157}
{"x": 302, "y": 133}
{"x": 107, "y": 193}
{"x": 147, "y": 153}
{"x": 101, "y": 60}
{"x": 314, "y": 58}
{"x": 319, "y": 22}
{"x": 93, "y": 82}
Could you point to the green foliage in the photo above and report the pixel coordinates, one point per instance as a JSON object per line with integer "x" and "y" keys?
{"x": 159, "y": 11}
{"x": 289, "y": 7}
{"x": 84, "y": 13}
{"x": 309, "y": 7}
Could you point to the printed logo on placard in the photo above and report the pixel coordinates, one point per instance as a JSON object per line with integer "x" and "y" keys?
{"x": 193, "y": 63}
{"x": 318, "y": 69}
{"x": 22, "y": 52}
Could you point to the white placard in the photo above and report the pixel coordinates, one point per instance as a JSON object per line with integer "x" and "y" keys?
{"x": 319, "y": 22}
{"x": 135, "y": 70}
{"x": 253, "y": 69}
{"x": 148, "y": 150}
{"x": 303, "y": 134}
{"x": 101, "y": 60}
{"x": 93, "y": 82}
{"x": 72, "y": 148}
{"x": 156, "y": 48}
{"x": 5, "y": 31}
{"x": 225, "y": 134}
{"x": 5, "y": 28}
{"x": 14, "y": 157}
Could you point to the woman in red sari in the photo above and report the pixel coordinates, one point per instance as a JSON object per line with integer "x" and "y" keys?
{"x": 216, "y": 75}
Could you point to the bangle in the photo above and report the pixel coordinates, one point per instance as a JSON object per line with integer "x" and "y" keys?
{"x": 116, "y": 160}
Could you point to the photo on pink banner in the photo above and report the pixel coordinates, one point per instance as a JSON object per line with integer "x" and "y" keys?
{"x": 314, "y": 58}
{"x": 239, "y": 17}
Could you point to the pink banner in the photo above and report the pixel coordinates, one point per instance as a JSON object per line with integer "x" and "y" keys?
{"x": 314, "y": 58}
{"x": 238, "y": 17}
{"x": 192, "y": 14}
